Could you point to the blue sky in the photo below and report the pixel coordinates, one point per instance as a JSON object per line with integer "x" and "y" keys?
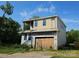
{"x": 67, "y": 11}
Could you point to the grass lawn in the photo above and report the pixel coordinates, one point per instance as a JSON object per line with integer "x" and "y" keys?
{"x": 9, "y": 49}
{"x": 53, "y": 53}
{"x": 65, "y": 54}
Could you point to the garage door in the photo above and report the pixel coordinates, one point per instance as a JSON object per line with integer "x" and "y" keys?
{"x": 44, "y": 42}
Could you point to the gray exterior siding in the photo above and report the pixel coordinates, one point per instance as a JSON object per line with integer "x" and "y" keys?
{"x": 61, "y": 34}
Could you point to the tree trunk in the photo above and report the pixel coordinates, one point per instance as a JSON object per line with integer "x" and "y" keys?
{"x": 3, "y": 15}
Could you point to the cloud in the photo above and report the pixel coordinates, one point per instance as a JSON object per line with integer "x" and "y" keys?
{"x": 52, "y": 9}
{"x": 41, "y": 8}
{"x": 46, "y": 9}
{"x": 24, "y": 13}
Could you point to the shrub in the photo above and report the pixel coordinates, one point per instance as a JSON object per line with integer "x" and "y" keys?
{"x": 76, "y": 44}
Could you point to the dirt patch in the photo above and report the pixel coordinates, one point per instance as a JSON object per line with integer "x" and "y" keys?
{"x": 43, "y": 54}
{"x": 27, "y": 55}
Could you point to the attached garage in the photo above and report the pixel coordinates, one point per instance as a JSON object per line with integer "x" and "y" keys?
{"x": 44, "y": 42}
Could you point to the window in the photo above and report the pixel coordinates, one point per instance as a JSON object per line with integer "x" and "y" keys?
{"x": 30, "y": 38}
{"x": 44, "y": 22}
{"x": 35, "y": 23}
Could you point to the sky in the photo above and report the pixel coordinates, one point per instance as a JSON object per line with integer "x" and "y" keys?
{"x": 68, "y": 11}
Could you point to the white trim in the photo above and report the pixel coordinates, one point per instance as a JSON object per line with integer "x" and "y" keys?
{"x": 22, "y": 39}
{"x": 44, "y": 36}
{"x": 33, "y": 41}
{"x": 27, "y": 36}
{"x": 30, "y": 26}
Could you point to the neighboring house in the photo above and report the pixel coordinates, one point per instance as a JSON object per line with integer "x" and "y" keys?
{"x": 48, "y": 32}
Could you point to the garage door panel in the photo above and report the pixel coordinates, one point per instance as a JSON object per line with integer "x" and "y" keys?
{"x": 44, "y": 42}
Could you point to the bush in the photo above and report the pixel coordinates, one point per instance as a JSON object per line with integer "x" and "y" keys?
{"x": 76, "y": 45}
{"x": 72, "y": 36}
{"x": 13, "y": 48}
{"x": 26, "y": 47}
{"x": 9, "y": 31}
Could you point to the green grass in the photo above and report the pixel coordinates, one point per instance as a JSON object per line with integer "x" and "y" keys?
{"x": 60, "y": 53}
{"x": 9, "y": 49}
{"x": 66, "y": 54}
{"x": 61, "y": 56}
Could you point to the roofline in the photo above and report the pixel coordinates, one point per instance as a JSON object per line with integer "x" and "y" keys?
{"x": 62, "y": 21}
{"x": 40, "y": 18}
{"x": 44, "y": 18}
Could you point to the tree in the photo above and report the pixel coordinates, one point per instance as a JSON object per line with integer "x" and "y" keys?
{"x": 8, "y": 27}
{"x": 9, "y": 31}
{"x": 7, "y": 9}
{"x": 26, "y": 26}
{"x": 72, "y": 36}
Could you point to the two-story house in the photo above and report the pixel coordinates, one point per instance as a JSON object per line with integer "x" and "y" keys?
{"x": 46, "y": 32}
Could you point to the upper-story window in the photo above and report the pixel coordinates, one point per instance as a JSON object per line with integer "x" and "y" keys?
{"x": 44, "y": 22}
{"x": 36, "y": 23}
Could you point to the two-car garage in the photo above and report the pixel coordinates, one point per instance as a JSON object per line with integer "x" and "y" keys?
{"x": 44, "y": 42}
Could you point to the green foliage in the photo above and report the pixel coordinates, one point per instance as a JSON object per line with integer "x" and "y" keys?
{"x": 9, "y": 49}
{"x": 26, "y": 26}
{"x": 9, "y": 31}
{"x": 7, "y": 9}
{"x": 72, "y": 36}
{"x": 65, "y": 54}
{"x": 26, "y": 47}
{"x": 8, "y": 27}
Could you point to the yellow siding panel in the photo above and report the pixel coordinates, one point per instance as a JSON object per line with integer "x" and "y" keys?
{"x": 49, "y": 24}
